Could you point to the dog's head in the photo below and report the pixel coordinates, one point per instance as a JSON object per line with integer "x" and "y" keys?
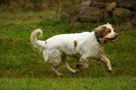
{"x": 107, "y": 32}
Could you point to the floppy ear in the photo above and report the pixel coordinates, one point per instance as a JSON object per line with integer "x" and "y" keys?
{"x": 99, "y": 31}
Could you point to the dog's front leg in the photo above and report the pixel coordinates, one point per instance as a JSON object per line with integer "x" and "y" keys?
{"x": 104, "y": 59}
{"x": 83, "y": 63}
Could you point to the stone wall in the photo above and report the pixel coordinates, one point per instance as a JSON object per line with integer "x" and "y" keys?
{"x": 100, "y": 10}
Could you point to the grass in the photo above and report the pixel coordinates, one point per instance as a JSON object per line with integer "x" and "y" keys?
{"x": 70, "y": 83}
{"x": 23, "y": 67}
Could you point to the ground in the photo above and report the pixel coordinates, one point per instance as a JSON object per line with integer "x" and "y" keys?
{"x": 23, "y": 67}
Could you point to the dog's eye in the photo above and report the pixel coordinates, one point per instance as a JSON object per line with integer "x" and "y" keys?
{"x": 109, "y": 30}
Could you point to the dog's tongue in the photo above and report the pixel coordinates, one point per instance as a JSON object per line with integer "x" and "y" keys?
{"x": 112, "y": 41}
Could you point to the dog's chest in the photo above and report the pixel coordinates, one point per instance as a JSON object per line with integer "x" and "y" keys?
{"x": 94, "y": 51}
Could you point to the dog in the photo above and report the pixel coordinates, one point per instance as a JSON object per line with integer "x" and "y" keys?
{"x": 82, "y": 46}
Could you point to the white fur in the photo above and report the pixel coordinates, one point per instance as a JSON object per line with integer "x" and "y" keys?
{"x": 112, "y": 34}
{"x": 87, "y": 47}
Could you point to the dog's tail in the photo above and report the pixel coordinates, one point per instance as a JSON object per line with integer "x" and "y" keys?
{"x": 37, "y": 43}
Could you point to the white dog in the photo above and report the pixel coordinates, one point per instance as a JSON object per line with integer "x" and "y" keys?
{"x": 82, "y": 46}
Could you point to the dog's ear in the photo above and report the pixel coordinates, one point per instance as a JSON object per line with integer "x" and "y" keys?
{"x": 99, "y": 31}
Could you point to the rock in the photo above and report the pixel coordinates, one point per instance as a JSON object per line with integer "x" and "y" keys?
{"x": 73, "y": 19}
{"x": 110, "y": 6}
{"x": 126, "y": 3}
{"x": 125, "y": 26}
{"x": 122, "y": 13}
{"x": 90, "y": 14}
{"x": 86, "y": 3}
{"x": 107, "y": 1}
{"x": 105, "y": 15}
{"x": 76, "y": 23}
{"x": 134, "y": 13}
{"x": 81, "y": 9}
{"x": 134, "y": 21}
{"x": 100, "y": 0}
{"x": 98, "y": 4}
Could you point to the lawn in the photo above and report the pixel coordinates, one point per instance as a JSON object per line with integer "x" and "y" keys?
{"x": 22, "y": 67}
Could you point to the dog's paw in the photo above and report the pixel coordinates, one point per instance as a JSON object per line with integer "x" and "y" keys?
{"x": 110, "y": 71}
{"x": 60, "y": 74}
{"x": 78, "y": 66}
{"x": 76, "y": 71}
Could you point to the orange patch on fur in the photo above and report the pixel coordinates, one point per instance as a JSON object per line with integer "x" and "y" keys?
{"x": 45, "y": 42}
{"x": 102, "y": 31}
{"x": 107, "y": 31}
{"x": 75, "y": 43}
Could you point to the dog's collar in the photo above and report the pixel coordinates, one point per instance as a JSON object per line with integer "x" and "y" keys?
{"x": 98, "y": 40}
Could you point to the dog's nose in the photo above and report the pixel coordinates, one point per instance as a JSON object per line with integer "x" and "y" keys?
{"x": 116, "y": 35}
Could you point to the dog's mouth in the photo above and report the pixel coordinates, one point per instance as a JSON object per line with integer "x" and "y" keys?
{"x": 110, "y": 39}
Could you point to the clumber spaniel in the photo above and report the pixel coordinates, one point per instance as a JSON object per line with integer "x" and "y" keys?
{"x": 82, "y": 46}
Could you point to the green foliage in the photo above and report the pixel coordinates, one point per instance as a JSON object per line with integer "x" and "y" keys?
{"x": 23, "y": 67}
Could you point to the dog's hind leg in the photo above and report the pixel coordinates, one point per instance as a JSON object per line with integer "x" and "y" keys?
{"x": 55, "y": 69}
{"x": 66, "y": 65}
{"x": 55, "y": 65}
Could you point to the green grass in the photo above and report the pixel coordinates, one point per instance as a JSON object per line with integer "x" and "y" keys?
{"x": 70, "y": 83}
{"x": 23, "y": 67}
